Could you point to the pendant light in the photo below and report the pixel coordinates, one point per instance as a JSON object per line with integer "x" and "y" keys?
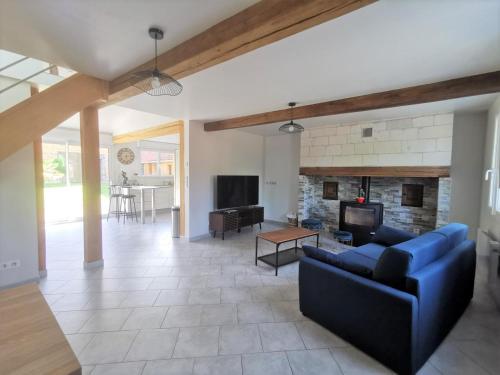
{"x": 291, "y": 127}
{"x": 153, "y": 82}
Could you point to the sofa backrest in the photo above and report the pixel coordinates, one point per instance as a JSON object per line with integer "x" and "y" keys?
{"x": 398, "y": 261}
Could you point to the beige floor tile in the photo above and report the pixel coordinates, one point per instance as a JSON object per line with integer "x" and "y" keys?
{"x": 197, "y": 342}
{"x": 145, "y": 317}
{"x": 239, "y": 339}
{"x": 153, "y": 344}
{"x": 313, "y": 362}
{"x": 280, "y": 336}
{"x": 107, "y": 347}
{"x": 227, "y": 365}
{"x": 275, "y": 363}
{"x": 169, "y": 367}
{"x": 183, "y": 316}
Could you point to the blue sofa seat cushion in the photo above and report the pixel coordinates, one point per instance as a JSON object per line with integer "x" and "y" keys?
{"x": 338, "y": 261}
{"x": 388, "y": 236}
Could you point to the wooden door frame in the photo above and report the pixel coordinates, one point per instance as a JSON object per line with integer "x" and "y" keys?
{"x": 170, "y": 128}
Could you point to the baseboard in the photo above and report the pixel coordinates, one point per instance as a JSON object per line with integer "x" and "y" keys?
{"x": 270, "y": 221}
{"x": 200, "y": 237}
{"x": 43, "y": 274}
{"x": 95, "y": 264}
{"x": 19, "y": 283}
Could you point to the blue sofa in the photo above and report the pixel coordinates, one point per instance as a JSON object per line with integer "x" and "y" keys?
{"x": 395, "y": 298}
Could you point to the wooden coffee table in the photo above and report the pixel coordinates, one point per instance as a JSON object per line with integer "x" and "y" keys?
{"x": 278, "y": 237}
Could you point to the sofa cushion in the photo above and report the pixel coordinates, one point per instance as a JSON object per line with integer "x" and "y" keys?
{"x": 456, "y": 233}
{"x": 370, "y": 250}
{"x": 388, "y": 236}
{"x": 338, "y": 260}
{"x": 398, "y": 261}
{"x": 320, "y": 254}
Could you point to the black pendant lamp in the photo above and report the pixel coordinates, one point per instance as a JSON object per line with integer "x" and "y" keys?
{"x": 153, "y": 82}
{"x": 291, "y": 127}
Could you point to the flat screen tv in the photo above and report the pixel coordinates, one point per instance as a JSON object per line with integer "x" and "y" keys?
{"x": 237, "y": 191}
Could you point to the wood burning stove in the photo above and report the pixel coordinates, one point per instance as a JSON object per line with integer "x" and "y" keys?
{"x": 361, "y": 219}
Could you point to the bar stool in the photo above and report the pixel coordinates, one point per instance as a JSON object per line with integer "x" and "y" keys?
{"x": 115, "y": 195}
{"x": 312, "y": 224}
{"x": 128, "y": 204}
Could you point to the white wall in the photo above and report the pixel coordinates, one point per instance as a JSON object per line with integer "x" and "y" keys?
{"x": 488, "y": 221}
{"x": 281, "y": 176}
{"x": 18, "y": 227}
{"x": 214, "y": 153}
{"x": 467, "y": 169}
{"x": 425, "y": 140}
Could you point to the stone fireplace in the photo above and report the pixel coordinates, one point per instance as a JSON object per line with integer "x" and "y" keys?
{"x": 409, "y": 158}
{"x": 386, "y": 190}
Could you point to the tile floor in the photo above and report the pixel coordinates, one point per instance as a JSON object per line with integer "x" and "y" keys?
{"x": 164, "y": 306}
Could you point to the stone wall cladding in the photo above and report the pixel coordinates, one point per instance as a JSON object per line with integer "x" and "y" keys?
{"x": 386, "y": 190}
{"x": 443, "y": 205}
{"x": 424, "y": 140}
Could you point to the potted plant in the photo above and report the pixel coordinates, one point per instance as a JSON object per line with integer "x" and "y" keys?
{"x": 361, "y": 195}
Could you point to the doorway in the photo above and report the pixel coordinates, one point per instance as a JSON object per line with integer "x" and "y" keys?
{"x": 62, "y": 172}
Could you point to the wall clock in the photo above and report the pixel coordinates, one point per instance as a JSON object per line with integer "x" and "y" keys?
{"x": 125, "y": 155}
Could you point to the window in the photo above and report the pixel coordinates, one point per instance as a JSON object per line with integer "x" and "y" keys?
{"x": 157, "y": 163}
{"x": 493, "y": 174}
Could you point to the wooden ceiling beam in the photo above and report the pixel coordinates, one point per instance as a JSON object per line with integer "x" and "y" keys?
{"x": 417, "y": 171}
{"x": 451, "y": 89}
{"x": 155, "y": 131}
{"x": 256, "y": 26}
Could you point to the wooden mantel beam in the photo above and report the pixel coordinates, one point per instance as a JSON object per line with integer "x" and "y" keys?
{"x": 454, "y": 88}
{"x": 256, "y": 26}
{"x": 402, "y": 171}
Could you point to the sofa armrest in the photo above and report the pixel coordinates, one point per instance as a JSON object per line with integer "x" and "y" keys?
{"x": 376, "y": 318}
{"x": 443, "y": 289}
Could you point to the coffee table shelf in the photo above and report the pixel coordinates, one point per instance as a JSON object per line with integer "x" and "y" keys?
{"x": 278, "y": 237}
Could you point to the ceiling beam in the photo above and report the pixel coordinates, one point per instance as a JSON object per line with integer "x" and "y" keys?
{"x": 153, "y": 132}
{"x": 454, "y": 88}
{"x": 417, "y": 171}
{"x": 256, "y": 26}
{"x": 28, "y": 120}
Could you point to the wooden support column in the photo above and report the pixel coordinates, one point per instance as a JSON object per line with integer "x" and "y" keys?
{"x": 91, "y": 183}
{"x": 182, "y": 184}
{"x": 40, "y": 207}
{"x": 40, "y": 202}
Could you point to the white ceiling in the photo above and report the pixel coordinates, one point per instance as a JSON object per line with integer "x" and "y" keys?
{"x": 386, "y": 45}
{"x": 105, "y": 38}
{"x": 118, "y": 120}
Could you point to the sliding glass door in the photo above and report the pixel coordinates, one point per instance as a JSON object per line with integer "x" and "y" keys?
{"x": 62, "y": 171}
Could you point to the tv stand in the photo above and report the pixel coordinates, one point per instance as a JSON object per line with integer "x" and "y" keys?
{"x": 234, "y": 219}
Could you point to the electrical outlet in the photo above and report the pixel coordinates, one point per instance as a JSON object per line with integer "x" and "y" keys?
{"x": 16, "y": 263}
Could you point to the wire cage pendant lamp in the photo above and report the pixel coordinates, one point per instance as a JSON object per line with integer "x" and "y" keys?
{"x": 291, "y": 127}
{"x": 153, "y": 82}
